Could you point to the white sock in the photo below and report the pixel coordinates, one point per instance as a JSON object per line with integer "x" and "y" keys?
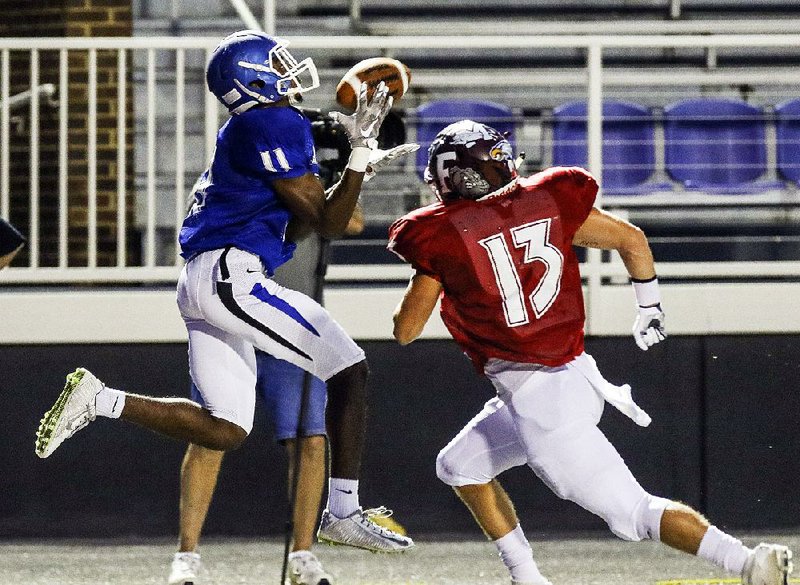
{"x": 724, "y": 550}
{"x": 299, "y": 553}
{"x": 342, "y": 496}
{"x": 517, "y": 556}
{"x": 193, "y": 554}
{"x": 109, "y": 402}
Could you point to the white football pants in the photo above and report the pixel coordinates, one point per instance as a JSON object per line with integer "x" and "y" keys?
{"x": 547, "y": 418}
{"x": 230, "y": 307}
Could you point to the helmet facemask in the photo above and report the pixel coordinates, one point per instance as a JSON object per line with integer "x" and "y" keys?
{"x": 297, "y": 77}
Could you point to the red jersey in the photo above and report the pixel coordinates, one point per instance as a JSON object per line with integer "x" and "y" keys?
{"x": 510, "y": 278}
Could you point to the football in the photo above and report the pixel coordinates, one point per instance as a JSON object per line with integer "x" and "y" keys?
{"x": 392, "y": 72}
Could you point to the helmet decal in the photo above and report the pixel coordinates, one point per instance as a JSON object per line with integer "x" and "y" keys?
{"x": 501, "y": 151}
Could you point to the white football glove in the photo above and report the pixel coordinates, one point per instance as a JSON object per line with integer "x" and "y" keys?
{"x": 380, "y": 158}
{"x": 363, "y": 125}
{"x": 648, "y": 329}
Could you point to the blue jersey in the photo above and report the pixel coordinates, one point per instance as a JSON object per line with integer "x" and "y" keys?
{"x": 235, "y": 204}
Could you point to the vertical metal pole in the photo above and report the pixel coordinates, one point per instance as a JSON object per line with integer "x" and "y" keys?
{"x": 594, "y": 125}
{"x": 595, "y": 112}
{"x": 33, "y": 236}
{"x": 122, "y": 160}
{"x": 355, "y": 13}
{"x": 270, "y": 17}
{"x": 210, "y": 119}
{"x": 150, "y": 227}
{"x": 180, "y": 145}
{"x": 675, "y": 9}
{"x": 5, "y": 133}
{"x": 91, "y": 155}
{"x": 63, "y": 160}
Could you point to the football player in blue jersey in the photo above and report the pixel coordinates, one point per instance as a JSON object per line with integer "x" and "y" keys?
{"x": 280, "y": 384}
{"x": 259, "y": 194}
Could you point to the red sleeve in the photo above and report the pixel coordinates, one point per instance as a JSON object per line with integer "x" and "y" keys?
{"x": 409, "y": 238}
{"x": 574, "y": 190}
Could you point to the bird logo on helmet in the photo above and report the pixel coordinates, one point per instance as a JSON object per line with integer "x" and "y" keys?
{"x": 470, "y": 160}
{"x": 249, "y": 68}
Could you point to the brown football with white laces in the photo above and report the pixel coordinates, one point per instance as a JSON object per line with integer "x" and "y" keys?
{"x": 395, "y": 74}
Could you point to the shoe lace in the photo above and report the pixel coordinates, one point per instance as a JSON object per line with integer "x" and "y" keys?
{"x": 379, "y": 512}
{"x": 189, "y": 561}
{"x": 305, "y": 564}
{"x": 77, "y": 423}
{"x": 308, "y": 562}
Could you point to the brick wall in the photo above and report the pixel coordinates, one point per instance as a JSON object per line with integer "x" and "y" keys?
{"x": 82, "y": 18}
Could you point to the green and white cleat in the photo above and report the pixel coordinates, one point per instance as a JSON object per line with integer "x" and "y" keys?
{"x": 74, "y": 409}
{"x": 770, "y": 564}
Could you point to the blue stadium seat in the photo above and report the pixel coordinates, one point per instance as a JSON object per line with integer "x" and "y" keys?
{"x": 628, "y": 145}
{"x": 787, "y": 138}
{"x": 717, "y": 146}
{"x": 430, "y": 118}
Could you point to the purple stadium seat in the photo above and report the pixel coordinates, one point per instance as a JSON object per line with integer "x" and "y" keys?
{"x": 787, "y": 136}
{"x": 628, "y": 145}
{"x": 433, "y": 116}
{"x": 717, "y": 146}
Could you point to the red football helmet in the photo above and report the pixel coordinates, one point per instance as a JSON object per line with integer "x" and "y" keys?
{"x": 468, "y": 160}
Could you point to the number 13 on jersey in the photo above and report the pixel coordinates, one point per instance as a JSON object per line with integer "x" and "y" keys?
{"x": 534, "y": 239}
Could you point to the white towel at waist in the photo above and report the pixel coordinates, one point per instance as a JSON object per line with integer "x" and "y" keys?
{"x": 617, "y": 396}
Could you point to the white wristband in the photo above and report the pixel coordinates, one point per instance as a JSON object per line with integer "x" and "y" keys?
{"x": 647, "y": 293}
{"x": 359, "y": 159}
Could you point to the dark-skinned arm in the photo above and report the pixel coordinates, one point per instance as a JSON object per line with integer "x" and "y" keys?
{"x": 326, "y": 213}
{"x": 329, "y": 213}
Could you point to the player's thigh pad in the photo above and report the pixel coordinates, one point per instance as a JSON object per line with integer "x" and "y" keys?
{"x": 223, "y": 370}
{"x": 280, "y": 383}
{"x": 484, "y": 448}
{"x": 228, "y": 289}
{"x": 555, "y": 412}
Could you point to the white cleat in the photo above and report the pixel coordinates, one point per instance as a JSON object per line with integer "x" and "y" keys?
{"x": 770, "y": 564}
{"x": 74, "y": 409}
{"x": 305, "y": 569}
{"x": 359, "y": 531}
{"x": 185, "y": 569}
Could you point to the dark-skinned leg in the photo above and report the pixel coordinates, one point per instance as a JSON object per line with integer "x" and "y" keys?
{"x": 346, "y": 419}
{"x": 184, "y": 420}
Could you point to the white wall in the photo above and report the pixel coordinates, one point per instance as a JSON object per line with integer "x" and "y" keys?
{"x": 97, "y": 316}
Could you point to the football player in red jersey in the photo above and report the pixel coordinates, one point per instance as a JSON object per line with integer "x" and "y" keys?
{"x": 497, "y": 249}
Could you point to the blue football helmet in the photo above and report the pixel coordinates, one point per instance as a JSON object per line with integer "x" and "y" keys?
{"x": 250, "y": 67}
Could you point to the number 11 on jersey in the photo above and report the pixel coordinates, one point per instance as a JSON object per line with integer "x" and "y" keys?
{"x": 534, "y": 238}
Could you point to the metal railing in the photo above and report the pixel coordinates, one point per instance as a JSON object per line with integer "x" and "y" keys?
{"x": 594, "y": 79}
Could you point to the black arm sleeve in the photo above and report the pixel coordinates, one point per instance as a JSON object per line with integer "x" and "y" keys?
{"x": 10, "y": 238}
